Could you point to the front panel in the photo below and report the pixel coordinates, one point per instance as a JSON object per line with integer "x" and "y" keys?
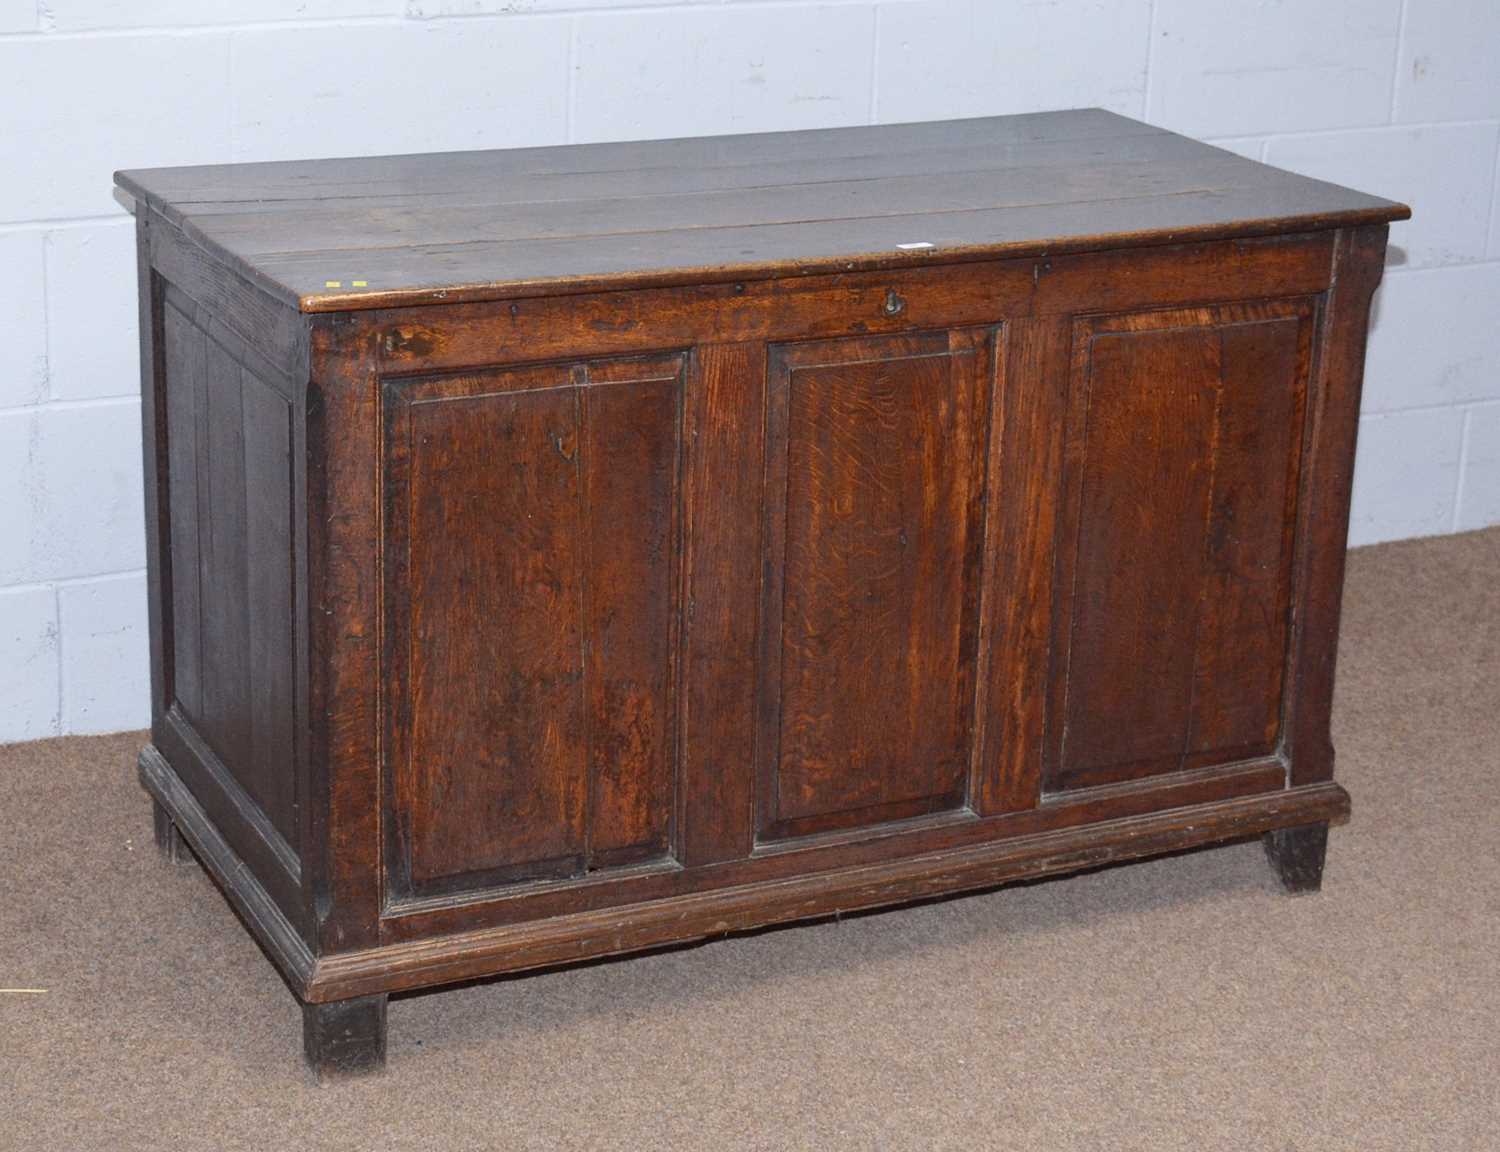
{"x": 823, "y": 655}
{"x": 531, "y": 543}
{"x": 875, "y": 453}
{"x": 1174, "y": 559}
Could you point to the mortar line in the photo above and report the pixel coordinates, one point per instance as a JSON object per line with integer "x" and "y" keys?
{"x": 1463, "y": 468}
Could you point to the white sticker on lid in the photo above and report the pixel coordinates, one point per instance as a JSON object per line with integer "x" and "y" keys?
{"x": 917, "y": 246}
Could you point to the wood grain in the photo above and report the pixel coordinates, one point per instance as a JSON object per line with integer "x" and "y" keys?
{"x": 1240, "y": 657}
{"x": 184, "y": 352}
{"x": 531, "y": 583}
{"x": 879, "y": 446}
{"x": 495, "y": 548}
{"x": 225, "y": 722}
{"x": 1323, "y": 527}
{"x": 584, "y": 935}
{"x": 496, "y": 225}
{"x": 1024, "y": 496}
{"x": 630, "y": 440}
{"x": 839, "y": 848}
{"x": 458, "y": 336}
{"x": 430, "y": 958}
{"x": 228, "y": 451}
{"x": 1175, "y": 572}
{"x": 343, "y": 560}
{"x": 724, "y": 468}
{"x": 156, "y": 470}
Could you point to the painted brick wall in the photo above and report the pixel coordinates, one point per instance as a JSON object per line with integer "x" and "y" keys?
{"x": 1398, "y": 97}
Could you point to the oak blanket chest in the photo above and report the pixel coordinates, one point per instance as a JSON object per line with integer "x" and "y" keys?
{"x": 564, "y": 551}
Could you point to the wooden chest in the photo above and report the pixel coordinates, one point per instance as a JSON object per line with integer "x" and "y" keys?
{"x": 560, "y": 552}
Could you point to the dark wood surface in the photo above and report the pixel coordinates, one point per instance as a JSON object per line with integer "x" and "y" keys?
{"x": 874, "y": 497}
{"x": 533, "y": 520}
{"x": 345, "y": 1037}
{"x": 495, "y": 224}
{"x": 229, "y": 469}
{"x": 504, "y": 628}
{"x": 1327, "y": 488}
{"x": 1184, "y": 445}
{"x": 169, "y": 841}
{"x": 722, "y": 525}
{"x": 1296, "y": 854}
{"x": 577, "y": 931}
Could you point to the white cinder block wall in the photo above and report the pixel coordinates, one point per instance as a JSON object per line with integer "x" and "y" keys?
{"x": 1397, "y": 97}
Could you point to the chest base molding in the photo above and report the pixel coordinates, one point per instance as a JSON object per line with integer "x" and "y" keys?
{"x": 703, "y": 916}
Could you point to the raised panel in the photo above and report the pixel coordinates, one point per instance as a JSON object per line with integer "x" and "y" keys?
{"x": 875, "y": 498}
{"x": 1175, "y": 563}
{"x": 229, "y": 496}
{"x": 532, "y": 520}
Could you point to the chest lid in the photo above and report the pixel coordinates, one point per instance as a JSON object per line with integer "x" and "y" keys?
{"x": 336, "y": 235}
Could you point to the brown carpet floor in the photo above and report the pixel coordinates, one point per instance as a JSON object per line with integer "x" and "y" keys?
{"x": 1183, "y": 1003}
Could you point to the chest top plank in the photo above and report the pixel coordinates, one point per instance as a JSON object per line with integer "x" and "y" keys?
{"x": 488, "y": 225}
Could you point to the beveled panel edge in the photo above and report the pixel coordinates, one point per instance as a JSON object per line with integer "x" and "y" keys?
{"x": 1259, "y": 773}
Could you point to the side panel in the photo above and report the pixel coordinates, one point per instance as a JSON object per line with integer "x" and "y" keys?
{"x": 231, "y": 675}
{"x": 223, "y": 428}
{"x": 1175, "y": 557}
{"x": 531, "y": 544}
{"x": 875, "y": 494}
